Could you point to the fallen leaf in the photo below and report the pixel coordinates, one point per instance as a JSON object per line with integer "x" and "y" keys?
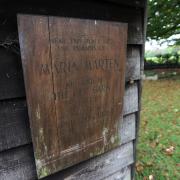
{"x": 169, "y": 151}
{"x": 150, "y": 163}
{"x": 153, "y": 144}
{"x": 139, "y": 167}
{"x": 151, "y": 177}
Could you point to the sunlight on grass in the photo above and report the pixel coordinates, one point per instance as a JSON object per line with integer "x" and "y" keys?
{"x": 159, "y": 135}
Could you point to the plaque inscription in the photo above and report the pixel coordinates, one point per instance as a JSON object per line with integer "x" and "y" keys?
{"x": 74, "y": 78}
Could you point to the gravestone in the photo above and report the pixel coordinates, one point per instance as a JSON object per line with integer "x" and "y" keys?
{"x": 74, "y": 74}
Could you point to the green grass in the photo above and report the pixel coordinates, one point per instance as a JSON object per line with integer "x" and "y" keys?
{"x": 159, "y": 130}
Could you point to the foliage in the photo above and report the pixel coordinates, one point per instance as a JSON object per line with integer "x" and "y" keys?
{"x": 156, "y": 52}
{"x": 163, "y": 19}
{"x": 164, "y": 59}
{"x": 170, "y": 55}
{"x": 159, "y": 145}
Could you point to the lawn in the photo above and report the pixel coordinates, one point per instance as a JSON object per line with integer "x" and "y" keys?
{"x": 159, "y": 136}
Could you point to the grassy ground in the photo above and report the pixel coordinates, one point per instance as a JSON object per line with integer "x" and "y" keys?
{"x": 159, "y": 135}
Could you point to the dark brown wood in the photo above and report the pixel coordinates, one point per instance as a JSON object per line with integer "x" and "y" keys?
{"x": 14, "y": 124}
{"x": 35, "y": 48}
{"x": 136, "y": 3}
{"x": 13, "y": 86}
{"x": 11, "y": 76}
{"x": 15, "y": 129}
{"x": 18, "y": 164}
{"x": 74, "y": 73}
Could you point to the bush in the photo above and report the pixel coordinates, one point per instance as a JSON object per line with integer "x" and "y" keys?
{"x": 168, "y": 58}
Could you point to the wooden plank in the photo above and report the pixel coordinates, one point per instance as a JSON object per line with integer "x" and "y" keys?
{"x": 123, "y": 174}
{"x": 14, "y": 124}
{"x": 133, "y": 63}
{"x": 131, "y": 99}
{"x": 19, "y": 164}
{"x": 15, "y": 131}
{"x": 140, "y": 83}
{"x": 11, "y": 79}
{"x": 11, "y": 76}
{"x": 34, "y": 41}
{"x": 83, "y": 9}
{"x": 80, "y": 74}
{"x": 134, "y": 3}
{"x": 12, "y": 84}
{"x": 127, "y": 129}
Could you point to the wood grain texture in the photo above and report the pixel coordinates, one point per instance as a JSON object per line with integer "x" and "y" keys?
{"x": 131, "y": 99}
{"x": 133, "y": 63}
{"x": 19, "y": 164}
{"x": 133, "y": 3}
{"x": 136, "y": 3}
{"x": 123, "y": 174}
{"x": 127, "y": 129}
{"x": 74, "y": 77}
{"x": 39, "y": 86}
{"x": 11, "y": 76}
{"x": 12, "y": 85}
{"x": 14, "y": 122}
{"x": 92, "y": 10}
{"x": 89, "y": 10}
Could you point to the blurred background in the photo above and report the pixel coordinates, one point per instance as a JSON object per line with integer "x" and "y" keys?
{"x": 159, "y": 136}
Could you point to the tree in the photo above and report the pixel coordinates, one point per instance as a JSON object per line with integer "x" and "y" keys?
{"x": 163, "y": 19}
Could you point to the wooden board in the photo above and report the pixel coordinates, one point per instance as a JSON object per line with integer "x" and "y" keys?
{"x": 12, "y": 85}
{"x": 74, "y": 72}
{"x": 11, "y": 76}
{"x": 18, "y": 164}
{"x": 123, "y": 174}
{"x": 14, "y": 122}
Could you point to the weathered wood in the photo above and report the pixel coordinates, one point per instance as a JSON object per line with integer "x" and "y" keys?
{"x": 133, "y": 63}
{"x": 127, "y": 129}
{"x": 140, "y": 83}
{"x": 102, "y": 166}
{"x": 13, "y": 115}
{"x": 14, "y": 124}
{"x": 11, "y": 76}
{"x": 14, "y": 86}
{"x": 15, "y": 131}
{"x": 92, "y": 10}
{"x": 19, "y": 164}
{"x": 123, "y": 174}
{"x": 39, "y": 85}
{"x": 136, "y": 3}
{"x": 131, "y": 99}
{"x": 67, "y": 61}
{"x": 83, "y": 9}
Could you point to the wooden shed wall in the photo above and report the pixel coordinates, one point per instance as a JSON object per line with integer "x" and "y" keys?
{"x": 16, "y": 153}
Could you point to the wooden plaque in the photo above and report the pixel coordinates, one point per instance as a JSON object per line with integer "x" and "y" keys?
{"x": 74, "y": 78}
